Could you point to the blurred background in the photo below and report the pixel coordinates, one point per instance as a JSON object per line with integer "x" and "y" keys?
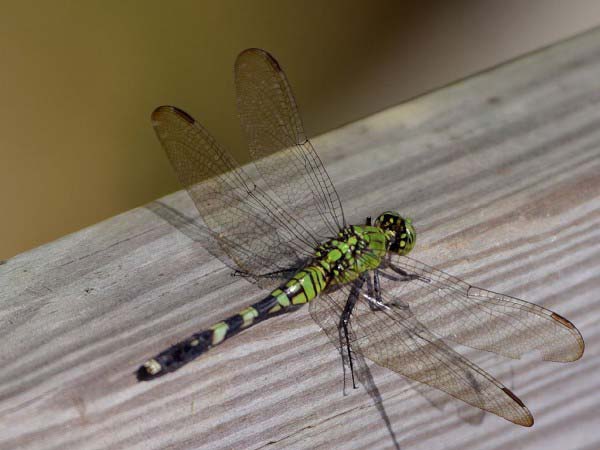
{"x": 80, "y": 79}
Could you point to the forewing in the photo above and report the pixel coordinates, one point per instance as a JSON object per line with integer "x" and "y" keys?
{"x": 395, "y": 339}
{"x": 479, "y": 318}
{"x": 250, "y": 231}
{"x": 278, "y": 144}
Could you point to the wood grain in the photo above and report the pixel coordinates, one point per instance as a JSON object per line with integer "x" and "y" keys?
{"x": 501, "y": 176}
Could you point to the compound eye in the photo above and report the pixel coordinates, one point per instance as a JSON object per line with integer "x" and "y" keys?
{"x": 387, "y": 220}
{"x": 405, "y": 241}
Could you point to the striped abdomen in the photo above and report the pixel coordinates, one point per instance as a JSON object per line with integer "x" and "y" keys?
{"x": 302, "y": 288}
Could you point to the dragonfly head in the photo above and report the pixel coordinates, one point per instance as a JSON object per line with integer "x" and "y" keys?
{"x": 401, "y": 234}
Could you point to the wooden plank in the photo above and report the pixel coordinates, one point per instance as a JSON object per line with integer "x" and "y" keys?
{"x": 501, "y": 175}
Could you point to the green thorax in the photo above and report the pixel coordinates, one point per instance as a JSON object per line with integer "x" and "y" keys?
{"x": 355, "y": 250}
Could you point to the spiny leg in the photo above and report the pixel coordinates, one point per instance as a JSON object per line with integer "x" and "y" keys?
{"x": 374, "y": 291}
{"x": 370, "y": 289}
{"x": 345, "y": 320}
{"x": 377, "y": 287}
{"x": 404, "y": 276}
{"x": 376, "y": 302}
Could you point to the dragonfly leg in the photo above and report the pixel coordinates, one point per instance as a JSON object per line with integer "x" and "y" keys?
{"x": 370, "y": 289}
{"x": 374, "y": 291}
{"x": 404, "y": 275}
{"x": 378, "y": 302}
{"x": 377, "y": 283}
{"x": 242, "y": 274}
{"x": 345, "y": 321}
{"x": 373, "y": 295}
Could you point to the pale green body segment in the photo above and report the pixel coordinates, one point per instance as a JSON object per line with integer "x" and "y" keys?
{"x": 356, "y": 250}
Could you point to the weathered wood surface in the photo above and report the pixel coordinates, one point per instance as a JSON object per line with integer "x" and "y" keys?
{"x": 501, "y": 175}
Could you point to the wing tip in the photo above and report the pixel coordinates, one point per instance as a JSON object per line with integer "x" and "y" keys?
{"x": 257, "y": 52}
{"x": 159, "y": 112}
{"x": 252, "y": 50}
{"x": 526, "y": 419}
{"x": 577, "y": 334}
{"x": 528, "y": 423}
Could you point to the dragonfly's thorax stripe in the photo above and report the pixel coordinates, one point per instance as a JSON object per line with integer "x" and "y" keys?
{"x": 355, "y": 250}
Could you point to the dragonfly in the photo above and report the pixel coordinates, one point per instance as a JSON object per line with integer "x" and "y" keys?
{"x": 284, "y": 230}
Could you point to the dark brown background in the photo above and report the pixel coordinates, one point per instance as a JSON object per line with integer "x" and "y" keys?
{"x": 79, "y": 81}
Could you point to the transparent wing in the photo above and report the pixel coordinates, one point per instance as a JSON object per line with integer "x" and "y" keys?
{"x": 479, "y": 318}
{"x": 278, "y": 144}
{"x": 249, "y": 230}
{"x": 395, "y": 339}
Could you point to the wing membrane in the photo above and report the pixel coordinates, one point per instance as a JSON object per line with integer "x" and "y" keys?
{"x": 278, "y": 144}
{"x": 395, "y": 339}
{"x": 479, "y": 318}
{"x": 251, "y": 231}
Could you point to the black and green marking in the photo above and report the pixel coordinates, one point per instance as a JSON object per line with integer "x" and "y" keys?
{"x": 356, "y": 250}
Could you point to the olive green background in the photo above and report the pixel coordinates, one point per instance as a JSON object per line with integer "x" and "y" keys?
{"x": 80, "y": 79}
